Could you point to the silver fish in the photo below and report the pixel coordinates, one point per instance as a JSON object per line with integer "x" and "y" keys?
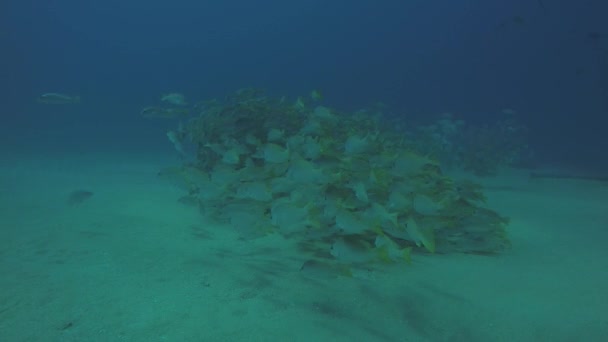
{"x": 164, "y": 113}
{"x": 56, "y": 98}
{"x": 176, "y": 99}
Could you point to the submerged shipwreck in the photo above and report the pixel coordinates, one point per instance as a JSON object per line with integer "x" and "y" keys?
{"x": 347, "y": 186}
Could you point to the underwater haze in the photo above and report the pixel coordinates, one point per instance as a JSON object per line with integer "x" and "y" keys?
{"x": 303, "y": 170}
{"x": 471, "y": 58}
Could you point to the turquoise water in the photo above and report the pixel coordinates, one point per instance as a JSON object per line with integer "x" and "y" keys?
{"x": 132, "y": 263}
{"x": 138, "y": 210}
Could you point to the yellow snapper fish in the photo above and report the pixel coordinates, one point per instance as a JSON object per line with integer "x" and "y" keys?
{"x": 176, "y": 99}
{"x": 299, "y": 105}
{"x": 351, "y": 222}
{"x": 316, "y": 95}
{"x": 352, "y": 249}
{"x": 356, "y": 250}
{"x": 57, "y": 98}
{"x": 273, "y": 153}
{"x": 391, "y": 251}
{"x": 292, "y": 217}
{"x": 421, "y": 236}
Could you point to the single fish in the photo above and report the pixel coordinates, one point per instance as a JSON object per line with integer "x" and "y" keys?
{"x": 176, "y": 140}
{"x": 299, "y": 105}
{"x": 596, "y": 36}
{"x": 421, "y": 236}
{"x": 274, "y": 153}
{"x": 79, "y": 196}
{"x": 516, "y": 20}
{"x": 176, "y": 99}
{"x": 542, "y": 5}
{"x": 353, "y": 249}
{"x": 56, "y": 98}
{"x": 391, "y": 251}
{"x": 163, "y": 113}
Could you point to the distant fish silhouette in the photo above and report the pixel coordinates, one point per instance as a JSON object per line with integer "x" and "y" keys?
{"x": 56, "y": 98}
{"x": 515, "y": 20}
{"x": 542, "y": 5}
{"x": 163, "y": 113}
{"x": 176, "y": 99}
{"x": 79, "y": 196}
{"x": 596, "y": 36}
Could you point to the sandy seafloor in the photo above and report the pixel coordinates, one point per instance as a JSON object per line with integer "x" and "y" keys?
{"x": 134, "y": 264}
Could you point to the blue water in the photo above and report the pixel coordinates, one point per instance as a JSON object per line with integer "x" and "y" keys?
{"x": 546, "y": 62}
{"x": 472, "y": 58}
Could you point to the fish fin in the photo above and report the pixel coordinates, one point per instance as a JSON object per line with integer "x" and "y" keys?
{"x": 378, "y": 230}
{"x": 383, "y": 254}
{"x": 429, "y": 240}
{"x": 542, "y": 5}
{"x": 393, "y": 218}
{"x": 407, "y": 255}
{"x": 345, "y": 271}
